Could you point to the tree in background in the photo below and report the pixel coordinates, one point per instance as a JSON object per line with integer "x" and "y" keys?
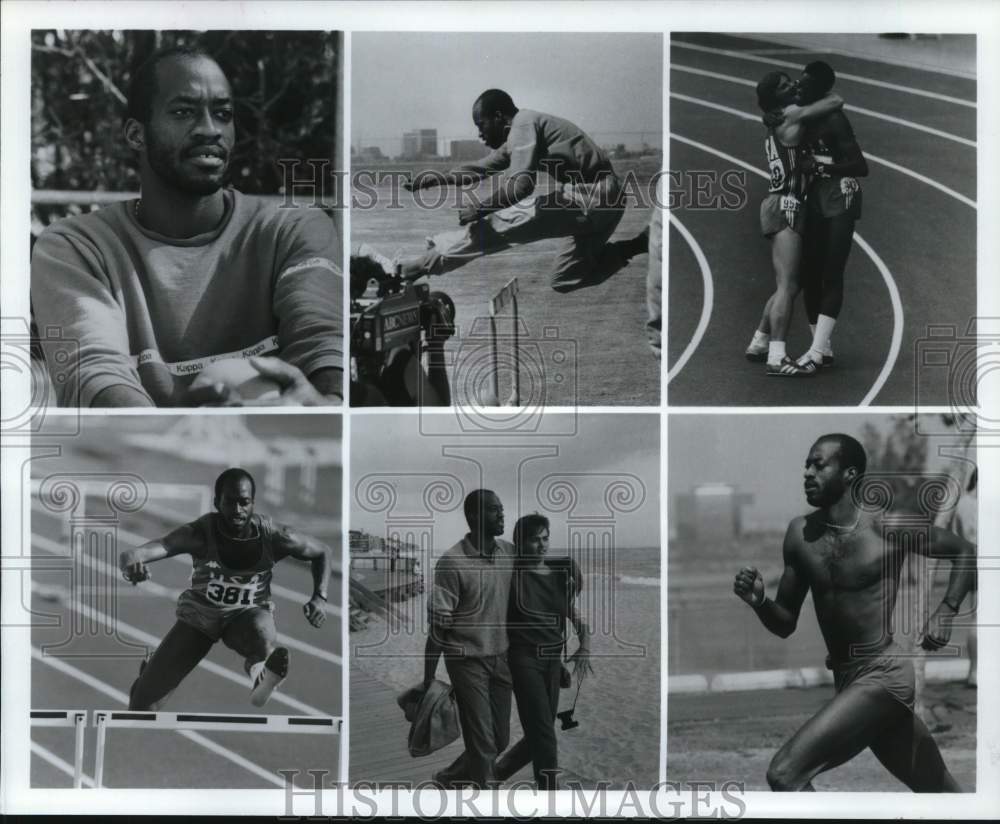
{"x": 901, "y": 453}
{"x": 284, "y": 84}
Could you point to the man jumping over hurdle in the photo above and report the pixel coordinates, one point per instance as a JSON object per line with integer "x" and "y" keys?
{"x": 851, "y": 561}
{"x": 233, "y": 551}
{"x": 584, "y": 206}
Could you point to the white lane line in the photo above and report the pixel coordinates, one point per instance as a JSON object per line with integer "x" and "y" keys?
{"x": 958, "y": 101}
{"x": 55, "y": 548}
{"x": 890, "y": 283}
{"x": 909, "y": 124}
{"x": 210, "y": 666}
{"x": 122, "y": 698}
{"x": 707, "y": 299}
{"x": 59, "y": 763}
{"x": 968, "y": 201}
{"x": 897, "y": 325}
{"x": 784, "y": 50}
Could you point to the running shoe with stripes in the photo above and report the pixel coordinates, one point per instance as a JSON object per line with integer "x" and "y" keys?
{"x": 267, "y": 675}
{"x": 756, "y": 354}
{"x": 808, "y": 363}
{"x": 788, "y": 369}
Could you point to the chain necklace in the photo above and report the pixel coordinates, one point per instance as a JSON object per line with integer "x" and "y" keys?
{"x": 850, "y": 528}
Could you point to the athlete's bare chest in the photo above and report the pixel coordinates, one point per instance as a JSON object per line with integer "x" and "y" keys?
{"x": 849, "y": 560}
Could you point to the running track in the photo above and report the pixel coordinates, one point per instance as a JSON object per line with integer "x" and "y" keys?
{"x": 913, "y": 264}
{"x": 151, "y": 758}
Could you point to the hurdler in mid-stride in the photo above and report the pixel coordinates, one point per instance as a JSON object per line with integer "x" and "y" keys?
{"x": 584, "y": 207}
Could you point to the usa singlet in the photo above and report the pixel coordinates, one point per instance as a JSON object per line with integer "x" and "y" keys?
{"x": 233, "y": 573}
{"x": 786, "y": 174}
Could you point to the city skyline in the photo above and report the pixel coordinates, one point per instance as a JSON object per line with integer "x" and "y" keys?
{"x": 578, "y": 76}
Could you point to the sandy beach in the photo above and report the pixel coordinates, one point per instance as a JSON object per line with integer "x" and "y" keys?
{"x": 618, "y": 709}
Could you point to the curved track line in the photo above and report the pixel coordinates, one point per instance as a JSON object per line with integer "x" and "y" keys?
{"x": 847, "y": 107}
{"x": 897, "y": 321}
{"x": 890, "y": 283}
{"x": 706, "y": 303}
{"x": 874, "y": 158}
{"x": 968, "y": 201}
{"x": 857, "y": 78}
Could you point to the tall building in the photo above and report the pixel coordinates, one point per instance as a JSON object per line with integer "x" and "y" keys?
{"x": 420, "y": 143}
{"x": 711, "y": 513}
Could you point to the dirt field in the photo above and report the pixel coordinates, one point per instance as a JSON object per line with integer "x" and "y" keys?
{"x": 734, "y": 735}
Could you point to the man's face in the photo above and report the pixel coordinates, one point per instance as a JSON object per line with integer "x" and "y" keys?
{"x": 235, "y": 505}
{"x": 190, "y": 133}
{"x": 489, "y": 519}
{"x": 808, "y": 89}
{"x": 824, "y": 481}
{"x": 492, "y": 128}
{"x": 535, "y": 546}
{"x": 786, "y": 91}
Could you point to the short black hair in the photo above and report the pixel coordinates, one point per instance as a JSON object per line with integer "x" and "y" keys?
{"x": 473, "y": 503}
{"x": 526, "y": 526}
{"x": 767, "y": 90}
{"x": 142, "y": 85}
{"x": 823, "y": 74}
{"x": 231, "y": 475}
{"x": 495, "y": 100}
{"x": 850, "y": 451}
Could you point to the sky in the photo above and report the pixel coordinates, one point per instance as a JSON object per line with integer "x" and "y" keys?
{"x": 607, "y": 84}
{"x": 762, "y": 454}
{"x": 605, "y": 445}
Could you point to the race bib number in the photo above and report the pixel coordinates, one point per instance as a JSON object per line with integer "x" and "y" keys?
{"x": 789, "y": 204}
{"x": 230, "y": 596}
{"x": 790, "y": 209}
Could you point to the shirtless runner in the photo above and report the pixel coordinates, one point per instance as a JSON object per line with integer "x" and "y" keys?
{"x": 851, "y": 561}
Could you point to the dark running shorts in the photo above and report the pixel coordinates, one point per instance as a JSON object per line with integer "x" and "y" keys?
{"x": 210, "y": 620}
{"x": 889, "y": 670}
{"x": 833, "y": 196}
{"x": 773, "y": 220}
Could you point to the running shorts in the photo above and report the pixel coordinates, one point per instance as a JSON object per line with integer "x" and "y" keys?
{"x": 208, "y": 619}
{"x": 833, "y": 196}
{"x": 773, "y": 217}
{"x": 889, "y": 670}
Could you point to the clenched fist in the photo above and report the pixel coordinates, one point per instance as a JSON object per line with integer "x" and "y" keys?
{"x": 749, "y": 585}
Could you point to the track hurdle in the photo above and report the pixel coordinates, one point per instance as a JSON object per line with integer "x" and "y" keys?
{"x": 506, "y": 295}
{"x": 208, "y": 721}
{"x": 66, "y": 718}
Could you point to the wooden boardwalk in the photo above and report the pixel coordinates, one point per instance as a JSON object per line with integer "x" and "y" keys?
{"x": 378, "y": 733}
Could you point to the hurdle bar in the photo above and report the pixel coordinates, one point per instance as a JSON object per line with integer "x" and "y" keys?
{"x": 507, "y": 294}
{"x": 66, "y": 718}
{"x": 208, "y": 721}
